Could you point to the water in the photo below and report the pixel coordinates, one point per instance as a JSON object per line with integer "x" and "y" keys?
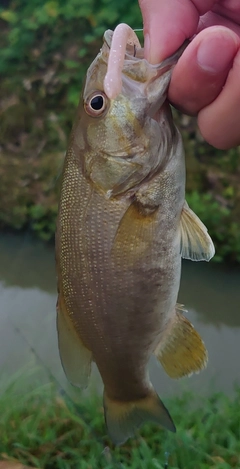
{"x": 210, "y": 292}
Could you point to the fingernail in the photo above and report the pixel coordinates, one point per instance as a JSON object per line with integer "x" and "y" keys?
{"x": 152, "y": 56}
{"x": 147, "y": 47}
{"x": 215, "y": 54}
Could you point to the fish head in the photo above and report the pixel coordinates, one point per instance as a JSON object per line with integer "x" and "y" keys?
{"x": 115, "y": 133}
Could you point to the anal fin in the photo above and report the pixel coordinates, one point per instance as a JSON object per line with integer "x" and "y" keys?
{"x": 182, "y": 351}
{"x": 75, "y": 357}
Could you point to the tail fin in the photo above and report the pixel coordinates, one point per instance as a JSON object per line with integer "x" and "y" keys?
{"x": 122, "y": 418}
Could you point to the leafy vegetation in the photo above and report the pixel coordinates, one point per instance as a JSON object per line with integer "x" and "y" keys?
{"x": 46, "y": 47}
{"x": 40, "y": 430}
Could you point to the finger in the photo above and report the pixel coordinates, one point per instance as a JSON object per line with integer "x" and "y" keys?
{"x": 211, "y": 19}
{"x": 219, "y": 122}
{"x": 229, "y": 9}
{"x": 167, "y": 23}
{"x": 203, "y": 68}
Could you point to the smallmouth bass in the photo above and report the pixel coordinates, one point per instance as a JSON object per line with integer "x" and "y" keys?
{"x": 123, "y": 227}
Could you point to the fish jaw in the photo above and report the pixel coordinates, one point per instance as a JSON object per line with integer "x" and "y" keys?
{"x": 139, "y": 78}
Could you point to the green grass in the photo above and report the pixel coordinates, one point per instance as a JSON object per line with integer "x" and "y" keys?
{"x": 39, "y": 428}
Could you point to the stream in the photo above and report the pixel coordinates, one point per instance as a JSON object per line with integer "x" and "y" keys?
{"x": 28, "y": 339}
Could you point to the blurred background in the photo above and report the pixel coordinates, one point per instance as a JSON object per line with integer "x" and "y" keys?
{"x": 46, "y": 47}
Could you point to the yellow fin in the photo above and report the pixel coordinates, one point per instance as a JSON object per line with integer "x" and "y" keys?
{"x": 196, "y": 243}
{"x": 123, "y": 418}
{"x": 182, "y": 352}
{"x": 75, "y": 357}
{"x": 135, "y": 235}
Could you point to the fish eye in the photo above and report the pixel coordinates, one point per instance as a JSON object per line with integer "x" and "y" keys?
{"x": 96, "y": 104}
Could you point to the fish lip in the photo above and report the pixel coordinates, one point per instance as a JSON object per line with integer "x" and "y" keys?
{"x": 107, "y": 37}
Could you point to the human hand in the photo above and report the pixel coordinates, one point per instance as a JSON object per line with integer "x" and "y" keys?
{"x": 206, "y": 79}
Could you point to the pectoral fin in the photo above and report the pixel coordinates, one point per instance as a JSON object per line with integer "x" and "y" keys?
{"x": 135, "y": 235}
{"x": 182, "y": 351}
{"x": 196, "y": 243}
{"x": 75, "y": 357}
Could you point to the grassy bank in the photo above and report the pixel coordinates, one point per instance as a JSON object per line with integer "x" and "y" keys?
{"x": 39, "y": 429}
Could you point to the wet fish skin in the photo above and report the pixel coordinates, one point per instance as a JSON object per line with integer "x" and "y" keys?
{"x": 123, "y": 226}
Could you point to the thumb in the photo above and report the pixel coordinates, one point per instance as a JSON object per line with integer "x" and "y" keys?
{"x": 168, "y": 23}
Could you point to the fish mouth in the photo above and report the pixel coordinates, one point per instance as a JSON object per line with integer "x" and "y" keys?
{"x": 125, "y": 56}
{"x": 133, "y": 50}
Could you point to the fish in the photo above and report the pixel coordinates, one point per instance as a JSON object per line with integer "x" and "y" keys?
{"x": 123, "y": 228}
